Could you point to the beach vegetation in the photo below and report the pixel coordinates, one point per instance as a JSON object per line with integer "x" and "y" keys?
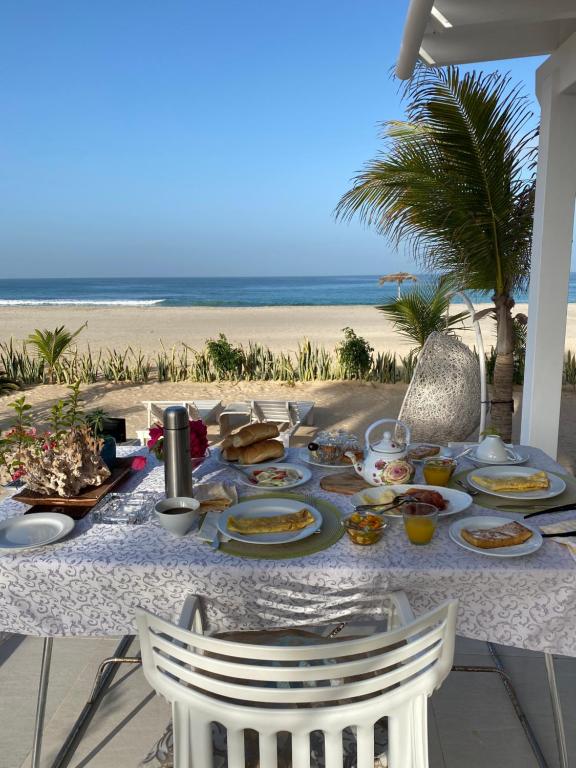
{"x": 455, "y": 183}
{"x": 354, "y": 355}
{"x": 227, "y": 359}
{"x": 423, "y": 310}
{"x": 51, "y": 346}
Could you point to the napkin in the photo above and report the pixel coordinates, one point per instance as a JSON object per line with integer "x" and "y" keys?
{"x": 215, "y": 496}
{"x": 568, "y": 541}
{"x": 209, "y": 528}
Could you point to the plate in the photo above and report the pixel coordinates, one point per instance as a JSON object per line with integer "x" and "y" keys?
{"x": 28, "y": 531}
{"x": 458, "y": 501}
{"x": 218, "y": 456}
{"x": 304, "y": 455}
{"x": 268, "y": 508}
{"x": 491, "y": 521}
{"x": 304, "y": 474}
{"x": 412, "y": 446}
{"x": 514, "y": 459}
{"x": 557, "y": 485}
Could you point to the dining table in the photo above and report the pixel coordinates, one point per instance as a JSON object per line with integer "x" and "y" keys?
{"x": 90, "y": 583}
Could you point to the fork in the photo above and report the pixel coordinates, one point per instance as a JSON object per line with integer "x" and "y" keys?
{"x": 471, "y": 491}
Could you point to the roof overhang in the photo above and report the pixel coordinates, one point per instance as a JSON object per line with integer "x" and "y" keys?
{"x": 446, "y": 32}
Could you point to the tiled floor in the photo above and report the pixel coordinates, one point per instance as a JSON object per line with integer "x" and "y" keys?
{"x": 472, "y": 723}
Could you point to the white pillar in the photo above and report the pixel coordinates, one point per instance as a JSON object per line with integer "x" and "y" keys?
{"x": 550, "y": 271}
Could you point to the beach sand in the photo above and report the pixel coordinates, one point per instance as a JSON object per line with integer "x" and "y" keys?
{"x": 280, "y": 328}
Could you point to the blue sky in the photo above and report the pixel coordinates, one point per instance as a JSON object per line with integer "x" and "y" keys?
{"x": 186, "y": 138}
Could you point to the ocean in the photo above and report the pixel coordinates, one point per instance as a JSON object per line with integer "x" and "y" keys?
{"x": 212, "y": 291}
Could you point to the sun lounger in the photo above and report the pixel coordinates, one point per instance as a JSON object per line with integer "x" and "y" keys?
{"x": 286, "y": 413}
{"x": 197, "y": 409}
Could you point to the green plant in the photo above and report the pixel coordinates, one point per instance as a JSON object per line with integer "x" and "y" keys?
{"x": 95, "y": 420}
{"x": 422, "y": 311}
{"x": 52, "y": 345}
{"x": 354, "y": 355}
{"x": 227, "y": 360}
{"x": 456, "y": 183}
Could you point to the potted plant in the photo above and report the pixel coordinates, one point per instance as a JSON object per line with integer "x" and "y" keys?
{"x": 96, "y": 421}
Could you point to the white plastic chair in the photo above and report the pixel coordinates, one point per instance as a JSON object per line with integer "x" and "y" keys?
{"x": 197, "y": 409}
{"x": 275, "y": 690}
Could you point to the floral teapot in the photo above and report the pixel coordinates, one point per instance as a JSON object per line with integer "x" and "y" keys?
{"x": 385, "y": 461}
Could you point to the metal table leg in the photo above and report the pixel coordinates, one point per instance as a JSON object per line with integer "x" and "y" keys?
{"x": 556, "y": 711}
{"x": 41, "y": 704}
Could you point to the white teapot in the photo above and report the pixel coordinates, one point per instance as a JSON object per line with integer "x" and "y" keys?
{"x": 385, "y": 461}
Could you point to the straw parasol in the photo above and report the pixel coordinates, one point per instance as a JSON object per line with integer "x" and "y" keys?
{"x": 398, "y": 277}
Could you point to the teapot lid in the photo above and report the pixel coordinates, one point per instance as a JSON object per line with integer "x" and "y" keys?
{"x": 388, "y": 444}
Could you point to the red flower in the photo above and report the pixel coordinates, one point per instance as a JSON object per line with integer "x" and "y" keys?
{"x": 156, "y": 432}
{"x": 198, "y": 439}
{"x": 138, "y": 463}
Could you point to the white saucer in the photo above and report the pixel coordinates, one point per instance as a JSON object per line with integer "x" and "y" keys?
{"x": 35, "y": 530}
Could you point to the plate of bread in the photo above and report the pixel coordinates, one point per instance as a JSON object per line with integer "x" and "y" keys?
{"x": 253, "y": 444}
{"x": 519, "y": 483}
{"x": 270, "y": 521}
{"x": 495, "y": 536}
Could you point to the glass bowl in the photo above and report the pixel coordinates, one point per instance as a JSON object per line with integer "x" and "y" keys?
{"x": 364, "y": 527}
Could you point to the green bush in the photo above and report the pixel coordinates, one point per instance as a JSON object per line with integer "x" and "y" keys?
{"x": 227, "y": 359}
{"x": 354, "y": 355}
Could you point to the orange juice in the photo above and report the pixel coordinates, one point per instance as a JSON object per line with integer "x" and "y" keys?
{"x": 420, "y": 529}
{"x": 419, "y": 522}
{"x": 439, "y": 471}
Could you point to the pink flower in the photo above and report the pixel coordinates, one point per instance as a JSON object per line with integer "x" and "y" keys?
{"x": 138, "y": 463}
{"x": 155, "y": 432}
{"x": 18, "y": 474}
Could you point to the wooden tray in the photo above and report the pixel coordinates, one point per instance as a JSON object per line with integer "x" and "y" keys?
{"x": 86, "y": 498}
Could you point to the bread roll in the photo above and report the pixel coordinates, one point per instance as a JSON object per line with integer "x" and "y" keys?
{"x": 226, "y": 443}
{"x": 265, "y": 450}
{"x": 231, "y": 453}
{"x": 254, "y": 433}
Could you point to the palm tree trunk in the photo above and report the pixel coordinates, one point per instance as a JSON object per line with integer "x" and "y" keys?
{"x": 502, "y": 402}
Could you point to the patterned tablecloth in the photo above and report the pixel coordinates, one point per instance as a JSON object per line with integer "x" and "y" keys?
{"x": 90, "y": 583}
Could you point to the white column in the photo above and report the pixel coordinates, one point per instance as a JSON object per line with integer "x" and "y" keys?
{"x": 550, "y": 271}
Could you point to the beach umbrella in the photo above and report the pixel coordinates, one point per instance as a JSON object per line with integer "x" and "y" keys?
{"x": 399, "y": 278}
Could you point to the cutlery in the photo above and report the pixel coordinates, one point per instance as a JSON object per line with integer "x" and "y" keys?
{"x": 394, "y": 504}
{"x": 558, "y": 508}
{"x": 556, "y": 535}
{"x": 471, "y": 491}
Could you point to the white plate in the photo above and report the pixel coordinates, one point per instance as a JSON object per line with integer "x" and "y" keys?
{"x": 218, "y": 456}
{"x": 437, "y": 455}
{"x": 557, "y": 485}
{"x": 491, "y": 521}
{"x": 514, "y": 459}
{"x": 304, "y": 474}
{"x": 304, "y": 455}
{"x": 35, "y": 530}
{"x": 458, "y": 501}
{"x": 268, "y": 508}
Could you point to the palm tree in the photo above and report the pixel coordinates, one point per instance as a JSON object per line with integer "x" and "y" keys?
{"x": 456, "y": 182}
{"x": 423, "y": 310}
{"x": 52, "y": 345}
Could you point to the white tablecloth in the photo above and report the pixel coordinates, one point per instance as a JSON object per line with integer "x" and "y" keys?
{"x": 90, "y": 583}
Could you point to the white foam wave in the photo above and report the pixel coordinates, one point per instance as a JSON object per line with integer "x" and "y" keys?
{"x": 81, "y": 302}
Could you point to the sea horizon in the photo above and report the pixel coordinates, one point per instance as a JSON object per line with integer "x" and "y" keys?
{"x": 333, "y": 290}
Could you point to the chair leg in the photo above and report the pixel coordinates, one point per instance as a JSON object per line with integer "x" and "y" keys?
{"x": 499, "y": 670}
{"x": 556, "y": 711}
{"x": 41, "y": 705}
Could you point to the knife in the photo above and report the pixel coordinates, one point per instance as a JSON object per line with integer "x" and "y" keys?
{"x": 559, "y": 508}
{"x": 556, "y": 535}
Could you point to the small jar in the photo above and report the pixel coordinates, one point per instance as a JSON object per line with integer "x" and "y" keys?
{"x": 364, "y": 528}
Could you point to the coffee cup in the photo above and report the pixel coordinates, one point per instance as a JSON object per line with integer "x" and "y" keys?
{"x": 178, "y": 514}
{"x": 492, "y": 449}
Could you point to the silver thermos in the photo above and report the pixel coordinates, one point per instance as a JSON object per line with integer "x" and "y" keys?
{"x": 177, "y": 464}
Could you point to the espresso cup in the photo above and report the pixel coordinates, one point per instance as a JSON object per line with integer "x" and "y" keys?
{"x": 178, "y": 515}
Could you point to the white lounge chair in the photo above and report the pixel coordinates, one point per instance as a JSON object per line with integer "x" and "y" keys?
{"x": 288, "y": 413}
{"x": 341, "y": 688}
{"x": 197, "y": 409}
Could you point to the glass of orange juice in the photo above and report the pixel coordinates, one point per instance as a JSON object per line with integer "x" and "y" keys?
{"x": 438, "y": 471}
{"x": 420, "y": 522}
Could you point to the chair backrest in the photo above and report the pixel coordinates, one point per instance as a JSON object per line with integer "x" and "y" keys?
{"x": 156, "y": 409}
{"x": 277, "y": 411}
{"x": 270, "y": 689}
{"x": 443, "y": 401}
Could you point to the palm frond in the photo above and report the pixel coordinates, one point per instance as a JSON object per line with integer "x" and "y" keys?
{"x": 455, "y": 180}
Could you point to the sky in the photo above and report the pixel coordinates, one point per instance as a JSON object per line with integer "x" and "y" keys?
{"x": 180, "y": 138}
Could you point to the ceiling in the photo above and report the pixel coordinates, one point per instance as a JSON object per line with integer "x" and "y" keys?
{"x": 465, "y": 31}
